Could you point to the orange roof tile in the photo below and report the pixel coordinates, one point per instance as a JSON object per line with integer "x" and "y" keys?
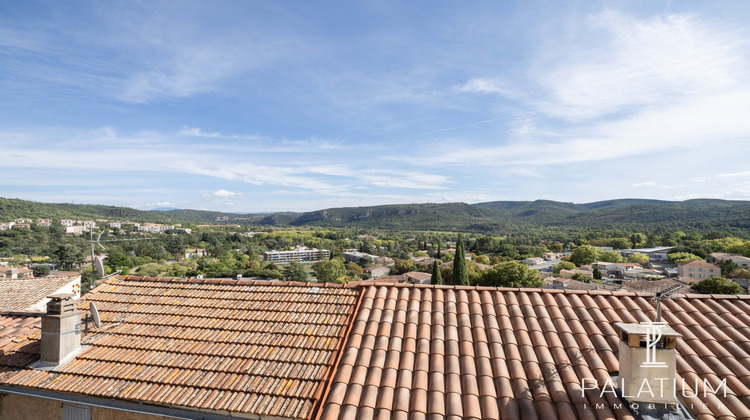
{"x": 509, "y": 353}
{"x": 22, "y": 294}
{"x": 380, "y": 350}
{"x": 203, "y": 344}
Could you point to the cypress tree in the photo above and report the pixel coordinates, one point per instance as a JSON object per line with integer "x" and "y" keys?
{"x": 438, "y": 252}
{"x": 437, "y": 276}
{"x": 460, "y": 270}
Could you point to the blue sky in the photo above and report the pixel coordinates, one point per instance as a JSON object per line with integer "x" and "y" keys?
{"x": 264, "y": 106}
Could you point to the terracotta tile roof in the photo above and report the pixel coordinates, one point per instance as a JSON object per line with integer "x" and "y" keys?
{"x": 19, "y": 338}
{"x": 249, "y": 347}
{"x": 22, "y": 294}
{"x": 464, "y": 352}
{"x": 697, "y": 263}
{"x": 655, "y": 286}
{"x": 381, "y": 350}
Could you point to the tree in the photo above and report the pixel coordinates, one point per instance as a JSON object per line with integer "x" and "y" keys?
{"x": 330, "y": 271}
{"x": 584, "y": 254}
{"x": 403, "y": 265}
{"x": 717, "y": 285}
{"x": 41, "y": 270}
{"x": 637, "y": 239}
{"x": 510, "y": 274}
{"x": 68, "y": 255}
{"x": 481, "y": 259}
{"x": 581, "y": 277}
{"x": 740, "y": 273}
{"x": 437, "y": 255}
{"x": 354, "y": 270}
{"x": 638, "y": 258}
{"x": 437, "y": 277}
{"x": 619, "y": 243}
{"x": 562, "y": 265}
{"x": 678, "y": 257}
{"x": 294, "y": 271}
{"x": 460, "y": 271}
{"x": 727, "y": 266}
{"x": 611, "y": 256}
{"x": 597, "y": 273}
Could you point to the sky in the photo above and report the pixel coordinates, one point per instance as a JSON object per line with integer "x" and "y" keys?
{"x": 254, "y": 106}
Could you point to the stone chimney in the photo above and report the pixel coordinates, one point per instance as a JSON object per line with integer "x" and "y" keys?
{"x": 647, "y": 362}
{"x": 61, "y": 330}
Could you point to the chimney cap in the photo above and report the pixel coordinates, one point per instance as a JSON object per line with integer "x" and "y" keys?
{"x": 647, "y": 328}
{"x": 61, "y": 296}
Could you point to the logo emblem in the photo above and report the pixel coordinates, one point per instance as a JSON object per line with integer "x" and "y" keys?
{"x": 653, "y": 335}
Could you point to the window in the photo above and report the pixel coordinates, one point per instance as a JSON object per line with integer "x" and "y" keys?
{"x": 76, "y": 412}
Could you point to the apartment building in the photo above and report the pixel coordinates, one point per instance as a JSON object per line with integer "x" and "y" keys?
{"x": 698, "y": 270}
{"x": 301, "y": 254}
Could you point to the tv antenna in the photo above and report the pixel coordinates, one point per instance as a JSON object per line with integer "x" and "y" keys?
{"x": 658, "y": 297}
{"x": 97, "y": 265}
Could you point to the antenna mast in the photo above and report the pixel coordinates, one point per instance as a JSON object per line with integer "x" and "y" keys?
{"x": 98, "y": 241}
{"x": 661, "y": 296}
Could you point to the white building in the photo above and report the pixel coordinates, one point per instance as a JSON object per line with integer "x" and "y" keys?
{"x": 75, "y": 230}
{"x": 7, "y": 225}
{"x": 154, "y": 228}
{"x": 301, "y": 254}
{"x": 67, "y": 222}
{"x": 654, "y": 254}
{"x": 355, "y": 256}
{"x": 44, "y": 222}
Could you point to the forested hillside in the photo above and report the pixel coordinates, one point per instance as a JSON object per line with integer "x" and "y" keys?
{"x": 700, "y": 215}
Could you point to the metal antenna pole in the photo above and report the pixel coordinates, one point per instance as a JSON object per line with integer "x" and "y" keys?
{"x": 93, "y": 272}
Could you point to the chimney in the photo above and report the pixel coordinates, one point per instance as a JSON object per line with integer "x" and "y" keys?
{"x": 61, "y": 330}
{"x": 648, "y": 362}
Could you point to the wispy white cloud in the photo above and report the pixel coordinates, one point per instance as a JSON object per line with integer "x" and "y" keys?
{"x": 222, "y": 194}
{"x": 620, "y": 63}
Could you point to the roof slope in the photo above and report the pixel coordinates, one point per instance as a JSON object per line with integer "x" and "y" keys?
{"x": 239, "y": 346}
{"x": 465, "y": 352}
{"x": 21, "y": 294}
{"x": 16, "y": 332}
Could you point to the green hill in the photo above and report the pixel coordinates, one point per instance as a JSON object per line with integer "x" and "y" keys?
{"x": 699, "y": 215}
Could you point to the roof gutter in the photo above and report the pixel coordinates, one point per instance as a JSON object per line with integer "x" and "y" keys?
{"x": 111, "y": 404}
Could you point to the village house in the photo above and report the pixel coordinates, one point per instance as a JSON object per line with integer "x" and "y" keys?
{"x": 418, "y": 277}
{"x": 44, "y": 222}
{"x": 219, "y": 348}
{"x": 698, "y": 270}
{"x": 738, "y": 259}
{"x": 75, "y": 230}
{"x": 16, "y": 272}
{"x": 31, "y": 293}
{"x": 377, "y": 271}
{"x": 195, "y": 253}
{"x": 7, "y": 225}
{"x": 532, "y": 261}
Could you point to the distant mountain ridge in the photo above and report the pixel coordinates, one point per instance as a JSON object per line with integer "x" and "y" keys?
{"x": 700, "y": 214}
